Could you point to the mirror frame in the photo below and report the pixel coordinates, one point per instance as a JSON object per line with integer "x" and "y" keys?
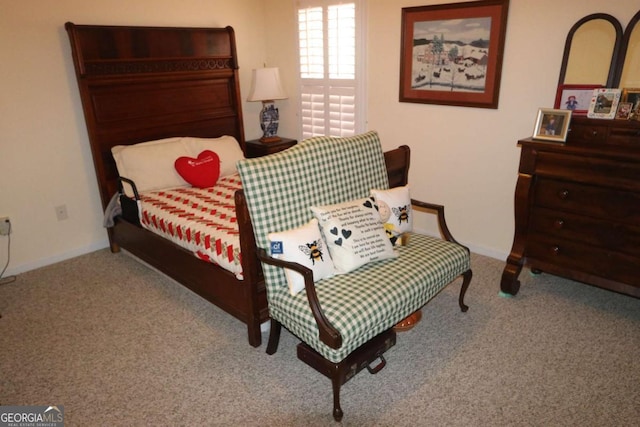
{"x": 617, "y": 56}
{"x": 624, "y": 47}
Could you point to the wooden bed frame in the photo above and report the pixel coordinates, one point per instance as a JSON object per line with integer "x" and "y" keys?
{"x": 145, "y": 83}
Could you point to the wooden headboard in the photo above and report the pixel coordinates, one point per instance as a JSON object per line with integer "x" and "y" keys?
{"x": 145, "y": 83}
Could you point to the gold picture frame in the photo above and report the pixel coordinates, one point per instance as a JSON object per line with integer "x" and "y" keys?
{"x": 631, "y": 95}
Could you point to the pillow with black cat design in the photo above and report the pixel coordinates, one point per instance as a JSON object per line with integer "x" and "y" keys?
{"x": 354, "y": 234}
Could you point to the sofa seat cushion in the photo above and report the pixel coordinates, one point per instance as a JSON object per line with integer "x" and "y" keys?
{"x": 379, "y": 294}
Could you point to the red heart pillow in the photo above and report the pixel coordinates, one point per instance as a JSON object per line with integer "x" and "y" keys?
{"x": 201, "y": 172}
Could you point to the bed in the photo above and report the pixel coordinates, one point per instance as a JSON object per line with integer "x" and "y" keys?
{"x": 140, "y": 84}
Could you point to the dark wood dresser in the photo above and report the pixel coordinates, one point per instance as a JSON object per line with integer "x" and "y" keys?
{"x": 577, "y": 207}
{"x": 257, "y": 148}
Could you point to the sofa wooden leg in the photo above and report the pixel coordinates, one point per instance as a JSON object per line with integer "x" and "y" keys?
{"x": 343, "y": 371}
{"x": 465, "y": 284}
{"x": 274, "y": 337}
{"x": 337, "y": 410}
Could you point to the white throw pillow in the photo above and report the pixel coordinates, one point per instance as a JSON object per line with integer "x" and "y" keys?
{"x": 226, "y": 147}
{"x": 394, "y": 206}
{"x": 305, "y": 246}
{"x": 151, "y": 164}
{"x": 354, "y": 234}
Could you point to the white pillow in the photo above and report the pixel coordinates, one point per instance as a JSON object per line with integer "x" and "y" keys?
{"x": 354, "y": 234}
{"x": 305, "y": 246}
{"x": 151, "y": 164}
{"x": 394, "y": 206}
{"x": 226, "y": 147}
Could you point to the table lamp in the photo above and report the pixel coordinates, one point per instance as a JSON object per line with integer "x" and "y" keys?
{"x": 266, "y": 87}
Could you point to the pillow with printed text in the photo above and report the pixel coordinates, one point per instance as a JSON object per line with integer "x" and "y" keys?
{"x": 354, "y": 234}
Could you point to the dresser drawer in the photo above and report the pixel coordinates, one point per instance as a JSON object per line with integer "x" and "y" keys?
{"x": 583, "y": 229}
{"x": 586, "y": 134}
{"x": 621, "y": 175}
{"x": 588, "y": 200}
{"x": 626, "y": 136}
{"x": 588, "y": 259}
{"x": 595, "y": 132}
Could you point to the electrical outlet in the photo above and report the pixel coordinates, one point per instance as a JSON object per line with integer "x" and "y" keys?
{"x": 61, "y": 212}
{"x": 5, "y": 226}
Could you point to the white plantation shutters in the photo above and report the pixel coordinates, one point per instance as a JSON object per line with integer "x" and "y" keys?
{"x": 330, "y": 82}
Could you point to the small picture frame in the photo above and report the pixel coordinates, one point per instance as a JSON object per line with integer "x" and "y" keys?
{"x": 552, "y": 125}
{"x": 631, "y": 95}
{"x": 624, "y": 110}
{"x": 604, "y": 103}
{"x": 575, "y": 97}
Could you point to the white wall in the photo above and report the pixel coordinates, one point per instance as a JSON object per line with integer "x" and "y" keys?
{"x": 45, "y": 160}
{"x": 465, "y": 158}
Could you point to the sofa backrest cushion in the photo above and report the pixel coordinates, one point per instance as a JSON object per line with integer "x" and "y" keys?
{"x": 281, "y": 188}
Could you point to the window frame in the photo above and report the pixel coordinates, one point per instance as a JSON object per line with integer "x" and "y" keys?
{"x": 359, "y": 81}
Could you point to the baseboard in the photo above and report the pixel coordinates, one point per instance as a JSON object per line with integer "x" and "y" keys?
{"x": 12, "y": 271}
{"x": 480, "y": 250}
{"x": 43, "y": 262}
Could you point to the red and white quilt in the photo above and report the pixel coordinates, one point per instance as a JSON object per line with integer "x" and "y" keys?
{"x": 202, "y": 220}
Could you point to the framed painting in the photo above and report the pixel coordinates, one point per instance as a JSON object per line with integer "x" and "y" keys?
{"x": 575, "y": 97}
{"x": 451, "y": 54}
{"x": 552, "y": 125}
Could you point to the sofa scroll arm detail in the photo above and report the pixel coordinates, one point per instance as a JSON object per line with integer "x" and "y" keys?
{"x": 439, "y": 211}
{"x": 327, "y": 333}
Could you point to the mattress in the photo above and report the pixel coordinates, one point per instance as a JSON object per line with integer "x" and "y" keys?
{"x": 201, "y": 220}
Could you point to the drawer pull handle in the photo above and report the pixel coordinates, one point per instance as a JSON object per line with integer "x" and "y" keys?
{"x": 594, "y": 132}
{"x": 563, "y": 194}
{"x": 558, "y": 223}
{"x": 555, "y": 250}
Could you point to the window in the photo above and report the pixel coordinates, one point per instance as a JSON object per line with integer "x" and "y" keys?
{"x": 331, "y": 82}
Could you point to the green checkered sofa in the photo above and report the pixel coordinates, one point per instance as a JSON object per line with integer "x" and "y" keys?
{"x": 344, "y": 322}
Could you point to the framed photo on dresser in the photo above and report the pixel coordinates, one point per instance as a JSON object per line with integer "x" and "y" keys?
{"x": 631, "y": 95}
{"x": 604, "y": 103}
{"x": 552, "y": 125}
{"x": 575, "y": 97}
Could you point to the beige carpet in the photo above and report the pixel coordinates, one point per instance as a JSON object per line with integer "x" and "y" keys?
{"x": 118, "y": 344}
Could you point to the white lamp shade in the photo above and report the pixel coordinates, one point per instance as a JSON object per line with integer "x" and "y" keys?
{"x": 265, "y": 85}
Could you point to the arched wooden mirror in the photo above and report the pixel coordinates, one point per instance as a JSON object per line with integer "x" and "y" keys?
{"x": 628, "y": 68}
{"x": 591, "y": 51}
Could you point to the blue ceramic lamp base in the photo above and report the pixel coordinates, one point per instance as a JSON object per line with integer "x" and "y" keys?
{"x": 269, "y": 120}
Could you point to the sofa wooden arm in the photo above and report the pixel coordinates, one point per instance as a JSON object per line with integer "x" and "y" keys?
{"x": 439, "y": 211}
{"x": 328, "y": 334}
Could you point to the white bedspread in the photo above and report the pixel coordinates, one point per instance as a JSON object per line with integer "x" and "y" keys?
{"x": 202, "y": 220}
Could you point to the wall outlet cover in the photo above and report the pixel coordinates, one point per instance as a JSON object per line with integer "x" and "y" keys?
{"x": 5, "y": 226}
